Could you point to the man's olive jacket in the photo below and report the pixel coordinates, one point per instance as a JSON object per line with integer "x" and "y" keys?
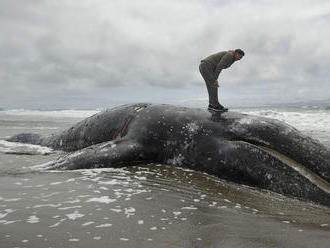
{"x": 219, "y": 61}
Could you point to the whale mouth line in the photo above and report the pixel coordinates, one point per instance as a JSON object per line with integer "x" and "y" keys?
{"x": 300, "y": 168}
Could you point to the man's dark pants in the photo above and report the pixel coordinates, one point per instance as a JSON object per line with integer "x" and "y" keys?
{"x": 208, "y": 75}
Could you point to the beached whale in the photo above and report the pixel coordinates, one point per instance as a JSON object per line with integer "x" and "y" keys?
{"x": 240, "y": 148}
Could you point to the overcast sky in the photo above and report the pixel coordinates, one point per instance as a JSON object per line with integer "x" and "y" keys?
{"x": 99, "y": 53}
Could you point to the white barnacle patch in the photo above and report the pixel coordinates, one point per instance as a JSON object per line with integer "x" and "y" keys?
{"x": 238, "y": 129}
{"x": 138, "y": 109}
{"x": 132, "y": 146}
{"x": 104, "y": 150}
{"x": 246, "y": 121}
{"x": 177, "y": 160}
{"x": 286, "y": 130}
{"x": 171, "y": 143}
{"x": 269, "y": 176}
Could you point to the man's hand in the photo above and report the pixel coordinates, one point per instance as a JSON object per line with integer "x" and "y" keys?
{"x": 216, "y": 83}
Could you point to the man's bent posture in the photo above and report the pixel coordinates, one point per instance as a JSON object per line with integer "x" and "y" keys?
{"x": 210, "y": 69}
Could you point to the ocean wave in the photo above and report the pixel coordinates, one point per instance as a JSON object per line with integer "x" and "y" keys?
{"x": 69, "y": 113}
{"x": 23, "y": 149}
{"x": 312, "y": 123}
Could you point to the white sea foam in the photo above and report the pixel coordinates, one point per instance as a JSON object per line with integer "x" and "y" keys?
{"x": 74, "y": 240}
{"x": 33, "y": 219}
{"x": 66, "y": 208}
{"x": 7, "y": 211}
{"x": 75, "y": 215}
{"x": 102, "y": 199}
{"x": 20, "y": 148}
{"x": 51, "y": 113}
{"x": 104, "y": 225}
{"x": 47, "y": 205}
{"x": 129, "y": 211}
{"x": 12, "y": 199}
{"x": 314, "y": 123}
{"x": 88, "y": 223}
{"x": 55, "y": 225}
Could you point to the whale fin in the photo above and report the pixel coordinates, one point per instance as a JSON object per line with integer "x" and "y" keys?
{"x": 108, "y": 154}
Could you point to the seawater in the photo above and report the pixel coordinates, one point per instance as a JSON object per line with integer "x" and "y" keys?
{"x": 150, "y": 205}
{"x": 312, "y": 121}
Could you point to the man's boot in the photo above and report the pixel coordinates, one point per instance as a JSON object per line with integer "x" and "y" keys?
{"x": 218, "y": 108}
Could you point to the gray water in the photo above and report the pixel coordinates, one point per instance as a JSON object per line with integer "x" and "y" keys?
{"x": 149, "y": 205}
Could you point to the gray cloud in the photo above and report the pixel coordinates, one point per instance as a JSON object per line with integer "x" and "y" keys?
{"x": 56, "y": 50}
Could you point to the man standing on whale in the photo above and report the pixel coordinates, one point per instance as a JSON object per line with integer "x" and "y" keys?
{"x": 210, "y": 68}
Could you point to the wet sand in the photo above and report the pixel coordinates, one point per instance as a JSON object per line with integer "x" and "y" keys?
{"x": 144, "y": 206}
{"x": 149, "y": 206}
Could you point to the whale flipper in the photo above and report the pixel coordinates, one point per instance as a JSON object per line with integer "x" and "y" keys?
{"x": 108, "y": 154}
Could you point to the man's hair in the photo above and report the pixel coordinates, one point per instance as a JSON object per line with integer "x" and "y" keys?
{"x": 240, "y": 51}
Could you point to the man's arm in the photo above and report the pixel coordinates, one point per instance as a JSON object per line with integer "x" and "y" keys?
{"x": 224, "y": 63}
